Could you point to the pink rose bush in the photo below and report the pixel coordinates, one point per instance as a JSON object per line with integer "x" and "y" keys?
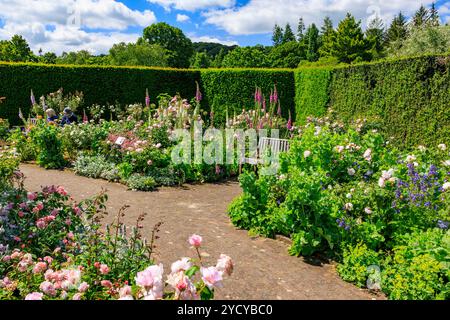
{"x": 76, "y": 259}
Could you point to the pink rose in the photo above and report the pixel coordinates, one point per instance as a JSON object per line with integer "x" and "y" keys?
{"x": 48, "y": 259}
{"x": 70, "y": 236}
{"x": 76, "y": 296}
{"x": 104, "y": 269}
{"x": 181, "y": 265}
{"x": 106, "y": 284}
{"x": 125, "y": 292}
{"x": 34, "y": 296}
{"x": 6, "y": 258}
{"x": 41, "y": 224}
{"x": 61, "y": 191}
{"x": 48, "y": 288}
{"x": 39, "y": 267}
{"x": 195, "y": 241}
{"x": 225, "y": 264}
{"x": 31, "y": 196}
{"x": 211, "y": 277}
{"x": 83, "y": 287}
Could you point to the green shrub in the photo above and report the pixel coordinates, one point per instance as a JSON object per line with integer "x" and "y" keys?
{"x": 95, "y": 167}
{"x": 49, "y": 147}
{"x": 8, "y": 165}
{"x": 234, "y": 89}
{"x": 419, "y": 268}
{"x": 23, "y": 144}
{"x": 356, "y": 262}
{"x": 311, "y": 92}
{"x": 410, "y": 96}
{"x": 141, "y": 183}
{"x": 4, "y": 128}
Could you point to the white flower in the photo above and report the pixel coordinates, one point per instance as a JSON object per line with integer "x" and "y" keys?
{"x": 411, "y": 158}
{"x": 348, "y": 206}
{"x": 339, "y": 149}
{"x": 421, "y": 148}
{"x": 349, "y": 196}
{"x": 368, "y": 155}
{"x": 351, "y": 171}
{"x": 386, "y": 175}
{"x": 442, "y": 147}
{"x": 382, "y": 182}
{"x": 446, "y": 163}
{"x": 368, "y": 210}
{"x": 446, "y": 186}
{"x": 307, "y": 153}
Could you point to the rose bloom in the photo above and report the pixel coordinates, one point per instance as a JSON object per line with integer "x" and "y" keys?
{"x": 104, "y": 269}
{"x": 77, "y": 296}
{"x": 195, "y": 240}
{"x": 225, "y": 265}
{"x": 48, "y": 288}
{"x": 83, "y": 287}
{"x": 106, "y": 284}
{"x": 152, "y": 276}
{"x": 211, "y": 277}
{"x": 34, "y": 296}
{"x": 39, "y": 267}
{"x": 61, "y": 191}
{"x": 31, "y": 196}
{"x": 181, "y": 265}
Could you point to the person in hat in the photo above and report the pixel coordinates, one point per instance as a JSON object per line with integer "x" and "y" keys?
{"x": 69, "y": 117}
{"x": 51, "y": 115}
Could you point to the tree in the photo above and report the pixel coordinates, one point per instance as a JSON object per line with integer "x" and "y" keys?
{"x": 246, "y": 57}
{"x": 350, "y": 44}
{"x": 218, "y": 60}
{"x": 48, "y": 58}
{"x": 287, "y": 55}
{"x": 426, "y": 40}
{"x": 375, "y": 35}
{"x": 434, "y": 19}
{"x": 421, "y": 17}
{"x": 288, "y": 35}
{"x": 142, "y": 54}
{"x": 172, "y": 39}
{"x": 201, "y": 60}
{"x": 277, "y": 37}
{"x": 301, "y": 30}
{"x": 312, "y": 43}
{"x": 83, "y": 57}
{"x": 397, "y": 32}
{"x": 328, "y": 35}
{"x": 16, "y": 50}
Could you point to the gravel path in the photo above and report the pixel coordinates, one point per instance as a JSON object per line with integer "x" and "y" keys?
{"x": 263, "y": 269}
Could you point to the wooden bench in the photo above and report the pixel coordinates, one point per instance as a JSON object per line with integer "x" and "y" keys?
{"x": 275, "y": 145}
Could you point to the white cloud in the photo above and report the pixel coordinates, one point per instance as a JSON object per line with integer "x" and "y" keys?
{"x": 182, "y": 18}
{"x": 193, "y": 5}
{"x": 195, "y": 38}
{"x": 260, "y": 16}
{"x": 64, "y": 25}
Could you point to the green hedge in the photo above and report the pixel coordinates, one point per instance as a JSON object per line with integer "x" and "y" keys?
{"x": 234, "y": 89}
{"x": 312, "y": 92}
{"x": 100, "y": 85}
{"x": 411, "y": 97}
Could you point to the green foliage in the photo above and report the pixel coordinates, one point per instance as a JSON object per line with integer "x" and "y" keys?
{"x": 142, "y": 54}
{"x": 312, "y": 92}
{"x": 234, "y": 89}
{"x": 95, "y": 167}
{"x": 277, "y": 37}
{"x": 8, "y": 165}
{"x": 287, "y": 55}
{"x": 118, "y": 85}
{"x": 49, "y": 147}
{"x": 246, "y": 57}
{"x": 288, "y": 35}
{"x": 409, "y": 96}
{"x": 172, "y": 39}
{"x": 328, "y": 35}
{"x": 350, "y": 43}
{"x": 312, "y": 41}
{"x": 356, "y": 262}
{"x": 141, "y": 183}
{"x": 4, "y": 129}
{"x": 23, "y": 144}
{"x": 16, "y": 50}
{"x": 419, "y": 267}
{"x": 201, "y": 60}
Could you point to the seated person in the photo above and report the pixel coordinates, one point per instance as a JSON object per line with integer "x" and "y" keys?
{"x": 69, "y": 117}
{"x": 51, "y": 115}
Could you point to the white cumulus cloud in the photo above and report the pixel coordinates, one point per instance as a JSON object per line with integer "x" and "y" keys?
{"x": 182, "y": 18}
{"x": 195, "y": 38}
{"x": 260, "y": 16}
{"x": 66, "y": 25}
{"x": 193, "y": 5}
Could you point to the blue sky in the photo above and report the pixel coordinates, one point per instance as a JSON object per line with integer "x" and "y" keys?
{"x": 95, "y": 25}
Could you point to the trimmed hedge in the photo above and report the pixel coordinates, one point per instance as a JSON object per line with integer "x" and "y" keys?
{"x": 100, "y": 85}
{"x": 410, "y": 97}
{"x": 312, "y": 92}
{"x": 234, "y": 89}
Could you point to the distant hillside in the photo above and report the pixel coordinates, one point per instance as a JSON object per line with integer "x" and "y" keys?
{"x": 212, "y": 49}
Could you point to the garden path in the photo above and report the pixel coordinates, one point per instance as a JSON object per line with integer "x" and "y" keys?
{"x": 263, "y": 268}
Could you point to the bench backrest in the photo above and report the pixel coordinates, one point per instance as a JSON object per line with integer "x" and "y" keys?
{"x": 275, "y": 145}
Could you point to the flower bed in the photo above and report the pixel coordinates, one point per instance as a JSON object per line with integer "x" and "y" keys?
{"x": 52, "y": 248}
{"x": 347, "y": 194}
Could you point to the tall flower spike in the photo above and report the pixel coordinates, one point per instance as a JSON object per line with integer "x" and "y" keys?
{"x": 147, "y": 98}
{"x": 279, "y": 109}
{"x": 198, "y": 95}
{"x": 289, "y": 124}
{"x": 275, "y": 94}
{"x": 33, "y": 100}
